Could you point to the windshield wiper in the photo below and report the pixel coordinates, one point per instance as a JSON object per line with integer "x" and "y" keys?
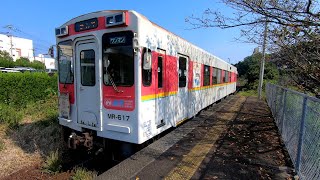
{"x": 65, "y": 82}
{"x": 113, "y": 84}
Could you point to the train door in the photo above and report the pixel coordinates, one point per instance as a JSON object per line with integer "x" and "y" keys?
{"x": 161, "y": 90}
{"x": 88, "y": 84}
{"x": 182, "y": 96}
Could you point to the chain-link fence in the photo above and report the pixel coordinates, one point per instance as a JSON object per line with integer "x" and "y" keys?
{"x": 297, "y": 116}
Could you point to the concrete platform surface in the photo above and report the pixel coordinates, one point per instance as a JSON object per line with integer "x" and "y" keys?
{"x": 234, "y": 139}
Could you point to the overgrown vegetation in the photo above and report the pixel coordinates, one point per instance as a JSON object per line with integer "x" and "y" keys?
{"x": 33, "y": 137}
{"x": 292, "y": 34}
{"x": 248, "y": 70}
{"x": 22, "y": 93}
{"x": 19, "y": 89}
{"x": 28, "y": 115}
{"x": 83, "y": 174}
{"x": 7, "y": 61}
{"x": 52, "y": 163}
{"x": 9, "y": 115}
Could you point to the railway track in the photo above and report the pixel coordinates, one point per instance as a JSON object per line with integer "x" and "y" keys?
{"x": 99, "y": 161}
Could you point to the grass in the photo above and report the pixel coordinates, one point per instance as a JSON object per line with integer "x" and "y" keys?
{"x": 42, "y": 110}
{"x": 52, "y": 163}
{"x": 2, "y": 146}
{"x": 32, "y": 138}
{"x": 83, "y": 174}
{"x": 39, "y": 130}
{"x": 10, "y": 116}
{"x": 252, "y": 92}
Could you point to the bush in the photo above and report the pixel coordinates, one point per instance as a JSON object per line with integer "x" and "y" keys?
{"x": 37, "y": 65}
{"x": 249, "y": 69}
{"x": 18, "y": 89}
{"x": 83, "y": 174}
{"x": 7, "y": 61}
{"x": 9, "y": 115}
{"x": 53, "y": 163}
{"x": 25, "y": 62}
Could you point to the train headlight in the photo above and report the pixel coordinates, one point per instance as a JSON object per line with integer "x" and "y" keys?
{"x": 135, "y": 43}
{"x": 116, "y": 19}
{"x": 62, "y": 31}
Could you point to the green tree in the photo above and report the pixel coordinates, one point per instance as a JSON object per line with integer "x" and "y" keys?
{"x": 38, "y": 65}
{"x": 24, "y": 62}
{"x": 5, "y": 59}
{"x": 249, "y": 70}
{"x": 293, "y": 32}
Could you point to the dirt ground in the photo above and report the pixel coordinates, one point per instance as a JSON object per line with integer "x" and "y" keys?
{"x": 251, "y": 148}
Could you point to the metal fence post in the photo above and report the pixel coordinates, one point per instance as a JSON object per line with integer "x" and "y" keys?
{"x": 283, "y": 110}
{"x": 301, "y": 134}
{"x": 267, "y": 93}
{"x": 275, "y": 102}
{"x": 272, "y": 104}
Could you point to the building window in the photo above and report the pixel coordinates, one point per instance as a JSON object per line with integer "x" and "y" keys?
{"x": 206, "y": 75}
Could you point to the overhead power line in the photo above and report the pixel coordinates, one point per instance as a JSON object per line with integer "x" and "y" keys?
{"x": 39, "y": 43}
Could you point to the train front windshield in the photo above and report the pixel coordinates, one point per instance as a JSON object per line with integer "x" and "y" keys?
{"x": 65, "y": 51}
{"x": 118, "y": 59}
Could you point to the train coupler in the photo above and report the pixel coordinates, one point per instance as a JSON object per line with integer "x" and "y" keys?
{"x": 85, "y": 140}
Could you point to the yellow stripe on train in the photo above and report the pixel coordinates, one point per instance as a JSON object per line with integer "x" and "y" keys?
{"x": 166, "y": 94}
{"x": 160, "y": 95}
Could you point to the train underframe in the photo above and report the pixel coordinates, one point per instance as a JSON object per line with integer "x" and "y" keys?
{"x": 88, "y": 141}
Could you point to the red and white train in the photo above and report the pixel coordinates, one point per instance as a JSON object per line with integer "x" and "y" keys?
{"x": 123, "y": 78}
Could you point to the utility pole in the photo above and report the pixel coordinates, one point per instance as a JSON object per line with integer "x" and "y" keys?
{"x": 10, "y": 28}
{"x": 34, "y": 54}
{"x": 263, "y": 59}
{"x": 11, "y": 45}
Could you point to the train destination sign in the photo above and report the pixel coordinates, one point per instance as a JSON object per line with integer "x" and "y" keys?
{"x": 118, "y": 40}
{"x": 86, "y": 25}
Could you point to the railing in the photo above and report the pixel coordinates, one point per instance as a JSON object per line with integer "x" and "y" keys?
{"x": 297, "y": 116}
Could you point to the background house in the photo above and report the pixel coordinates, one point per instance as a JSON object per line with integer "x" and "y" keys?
{"x": 17, "y": 47}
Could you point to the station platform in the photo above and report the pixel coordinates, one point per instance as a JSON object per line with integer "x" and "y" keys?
{"x": 233, "y": 139}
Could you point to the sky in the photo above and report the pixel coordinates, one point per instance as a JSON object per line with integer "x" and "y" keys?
{"x": 37, "y": 19}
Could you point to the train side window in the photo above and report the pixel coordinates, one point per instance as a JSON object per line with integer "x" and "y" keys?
{"x": 223, "y": 76}
{"x": 146, "y": 67}
{"x": 218, "y": 76}
{"x": 206, "y": 75}
{"x": 160, "y": 71}
{"x": 230, "y": 77}
{"x": 182, "y": 71}
{"x": 226, "y": 76}
{"x": 214, "y": 75}
{"x": 87, "y": 63}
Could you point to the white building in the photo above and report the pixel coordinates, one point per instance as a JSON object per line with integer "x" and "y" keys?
{"x": 17, "y": 47}
{"x": 48, "y": 62}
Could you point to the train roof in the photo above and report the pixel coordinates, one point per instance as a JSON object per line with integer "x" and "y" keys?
{"x": 103, "y": 12}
